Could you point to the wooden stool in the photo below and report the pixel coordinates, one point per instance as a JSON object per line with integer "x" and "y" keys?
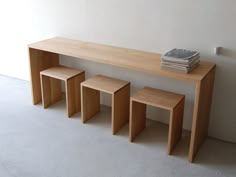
{"x": 162, "y": 99}
{"x": 51, "y": 87}
{"x": 120, "y": 90}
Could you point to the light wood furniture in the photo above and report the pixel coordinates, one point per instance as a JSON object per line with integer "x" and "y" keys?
{"x": 51, "y": 87}
{"x": 120, "y": 91}
{"x": 45, "y": 54}
{"x": 161, "y": 99}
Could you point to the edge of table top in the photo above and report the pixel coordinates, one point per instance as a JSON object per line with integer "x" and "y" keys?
{"x": 116, "y": 56}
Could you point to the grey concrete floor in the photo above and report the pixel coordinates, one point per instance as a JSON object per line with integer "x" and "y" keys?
{"x": 37, "y": 142}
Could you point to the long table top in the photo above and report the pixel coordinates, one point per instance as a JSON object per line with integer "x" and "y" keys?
{"x": 116, "y": 56}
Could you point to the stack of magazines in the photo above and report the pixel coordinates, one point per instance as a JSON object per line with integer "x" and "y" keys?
{"x": 180, "y": 60}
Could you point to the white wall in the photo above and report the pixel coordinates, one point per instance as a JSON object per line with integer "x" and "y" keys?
{"x": 150, "y": 25}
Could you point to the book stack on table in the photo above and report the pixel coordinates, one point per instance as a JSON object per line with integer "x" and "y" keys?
{"x": 180, "y": 60}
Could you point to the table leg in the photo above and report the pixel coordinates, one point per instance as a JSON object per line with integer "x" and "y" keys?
{"x": 40, "y": 60}
{"x": 201, "y": 113}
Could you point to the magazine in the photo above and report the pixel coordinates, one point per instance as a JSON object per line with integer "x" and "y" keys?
{"x": 180, "y": 55}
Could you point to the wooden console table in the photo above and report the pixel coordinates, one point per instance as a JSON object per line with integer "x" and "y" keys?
{"x": 45, "y": 54}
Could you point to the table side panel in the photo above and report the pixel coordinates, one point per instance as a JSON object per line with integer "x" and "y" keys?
{"x": 40, "y": 60}
{"x": 201, "y": 114}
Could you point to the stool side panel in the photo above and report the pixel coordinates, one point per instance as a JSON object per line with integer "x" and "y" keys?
{"x": 120, "y": 108}
{"x": 90, "y": 103}
{"x": 51, "y": 90}
{"x": 137, "y": 119}
{"x": 175, "y": 126}
{"x": 73, "y": 95}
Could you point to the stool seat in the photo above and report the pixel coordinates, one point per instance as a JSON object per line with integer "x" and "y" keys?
{"x": 51, "y": 87}
{"x": 162, "y": 99}
{"x": 158, "y": 98}
{"x": 105, "y": 84}
{"x": 61, "y": 72}
{"x": 120, "y": 91}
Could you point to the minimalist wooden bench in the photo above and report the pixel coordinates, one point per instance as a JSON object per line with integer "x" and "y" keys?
{"x": 162, "y": 99}
{"x": 120, "y": 90}
{"x": 51, "y": 87}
